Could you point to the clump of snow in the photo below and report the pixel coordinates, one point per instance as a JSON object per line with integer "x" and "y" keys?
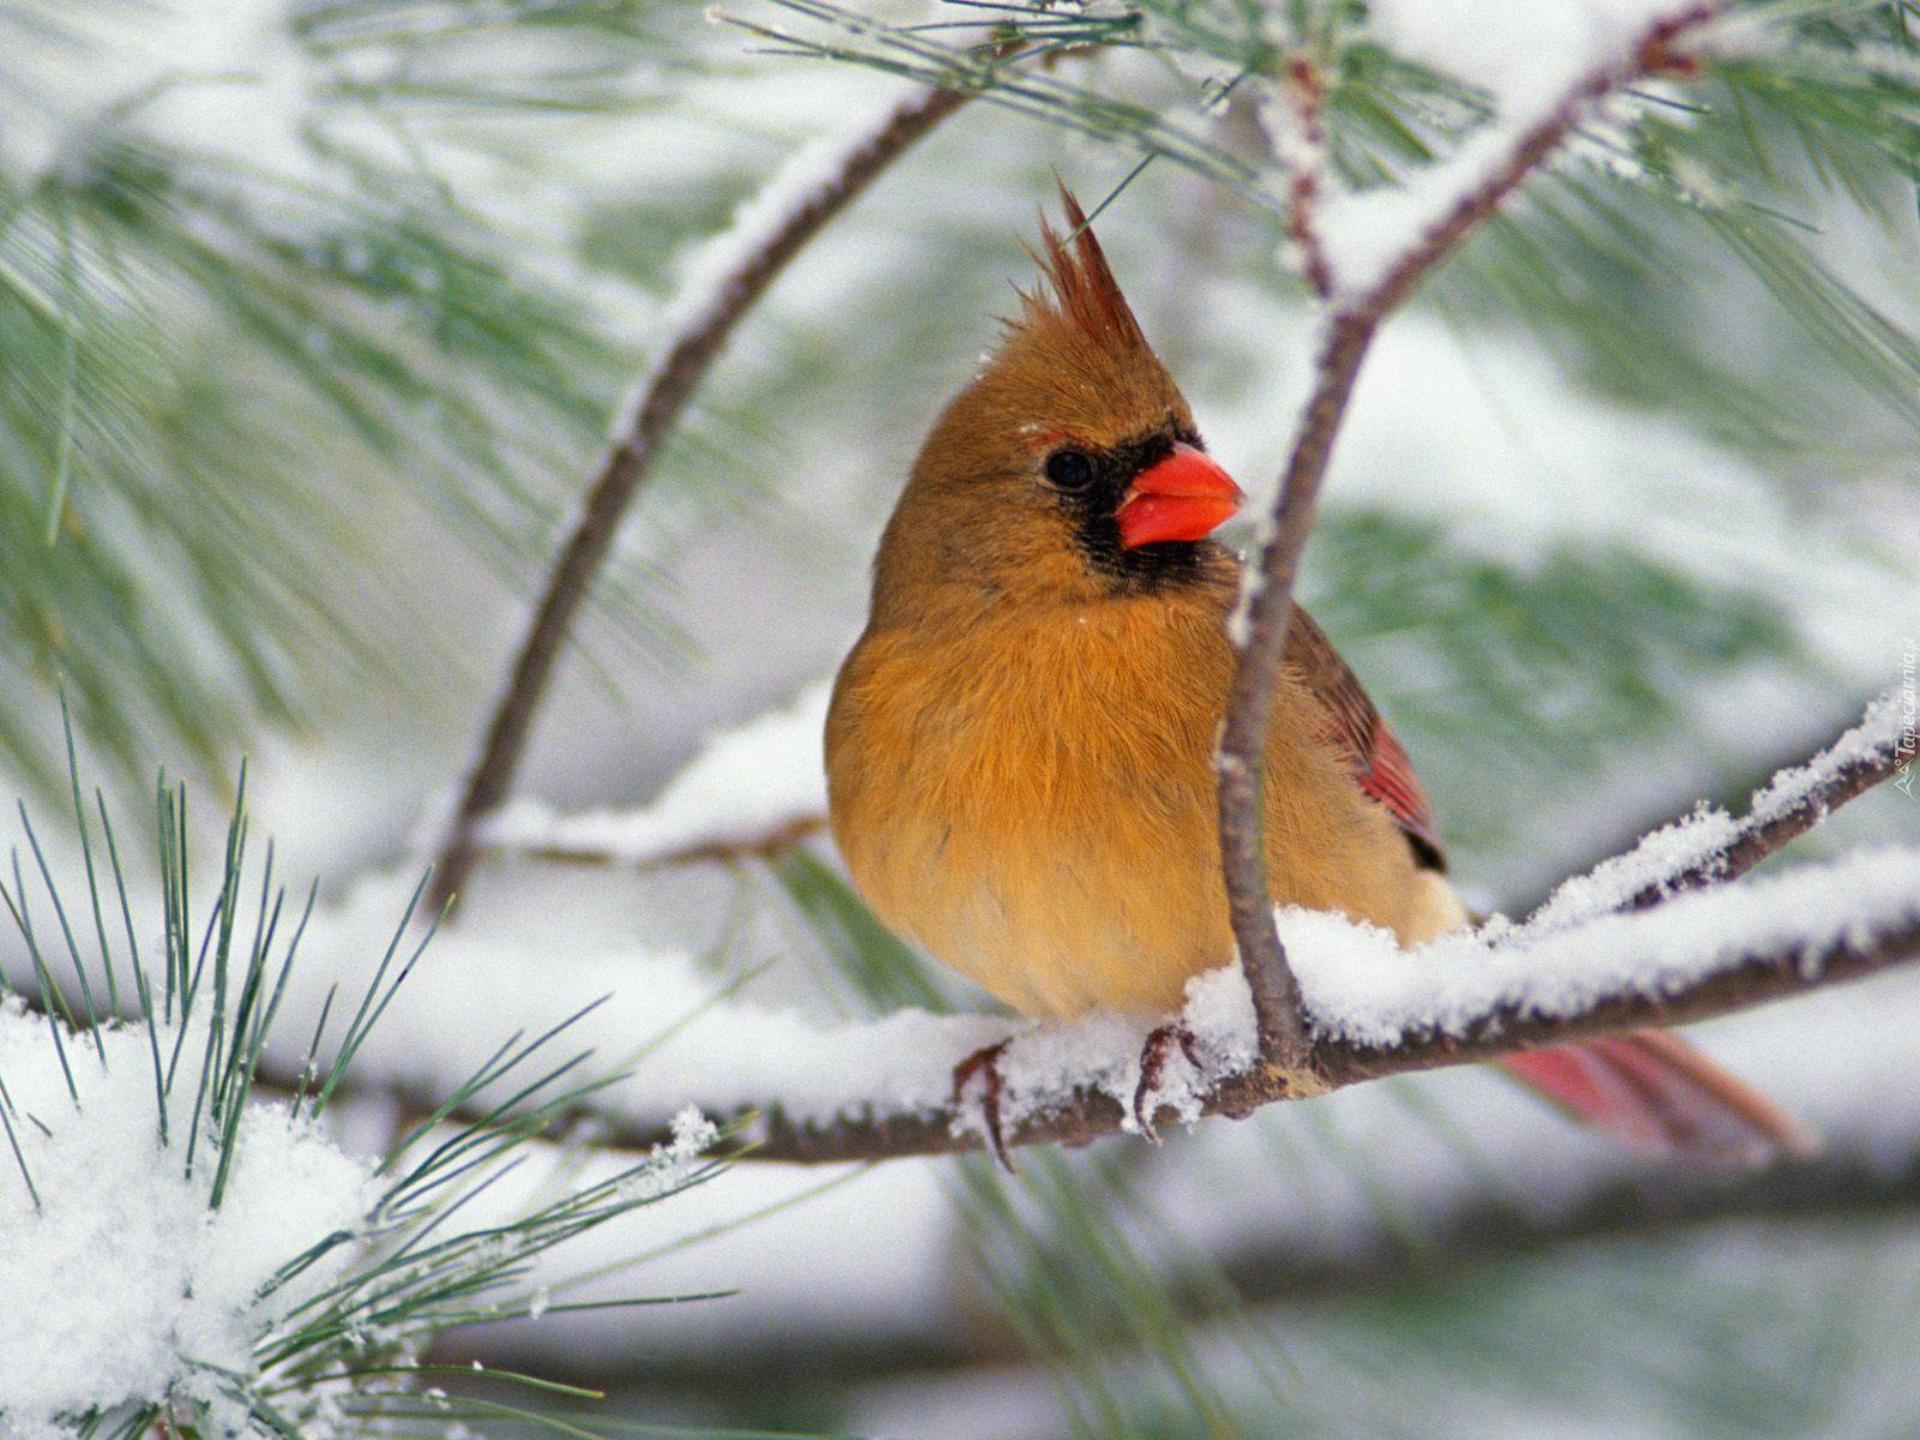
{"x": 673, "y": 1159}
{"x": 1359, "y": 986}
{"x": 1694, "y": 841}
{"x": 122, "y": 1284}
{"x": 672, "y": 1043}
{"x": 1043, "y": 1066}
{"x": 661, "y": 1026}
{"x": 752, "y": 781}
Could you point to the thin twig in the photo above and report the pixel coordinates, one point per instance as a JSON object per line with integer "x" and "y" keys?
{"x": 1771, "y": 824}
{"x": 765, "y": 844}
{"x": 654, "y": 412}
{"x": 1306, "y": 164}
{"x": 1350, "y": 332}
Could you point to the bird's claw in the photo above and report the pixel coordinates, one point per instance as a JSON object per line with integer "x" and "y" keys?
{"x": 1153, "y": 1067}
{"x": 986, "y": 1063}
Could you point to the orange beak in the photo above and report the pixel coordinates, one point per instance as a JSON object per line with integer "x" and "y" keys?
{"x": 1183, "y": 497}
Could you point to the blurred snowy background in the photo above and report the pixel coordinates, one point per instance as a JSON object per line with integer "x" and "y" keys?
{"x": 312, "y": 320}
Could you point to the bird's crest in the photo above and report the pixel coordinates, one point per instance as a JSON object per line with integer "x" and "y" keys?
{"x": 1085, "y": 294}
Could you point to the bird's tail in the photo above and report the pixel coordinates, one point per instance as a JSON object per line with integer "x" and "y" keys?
{"x": 1663, "y": 1097}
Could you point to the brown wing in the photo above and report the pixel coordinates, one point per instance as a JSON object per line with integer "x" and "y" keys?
{"x": 1354, "y": 727}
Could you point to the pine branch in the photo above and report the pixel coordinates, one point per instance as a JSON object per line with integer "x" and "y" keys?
{"x": 1770, "y": 960}
{"x": 1284, "y": 1043}
{"x": 650, "y": 419}
{"x": 1087, "y": 1114}
{"x": 1761, "y": 976}
{"x": 1866, "y": 755}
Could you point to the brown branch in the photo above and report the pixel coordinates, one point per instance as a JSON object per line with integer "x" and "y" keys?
{"x": 1768, "y": 826}
{"x": 1088, "y": 1114}
{"x": 651, "y": 419}
{"x": 1307, "y": 88}
{"x": 762, "y": 845}
{"x": 1256, "y": 679}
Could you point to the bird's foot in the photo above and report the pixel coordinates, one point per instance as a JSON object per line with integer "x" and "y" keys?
{"x": 1153, "y": 1068}
{"x": 985, "y": 1063}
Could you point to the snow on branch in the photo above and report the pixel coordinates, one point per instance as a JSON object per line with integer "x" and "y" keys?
{"x": 750, "y": 792}
{"x": 884, "y": 1089}
{"x": 1373, "y": 251}
{"x": 874, "y": 1090}
{"x": 1709, "y": 846}
{"x": 731, "y": 276}
{"x": 1587, "y": 962}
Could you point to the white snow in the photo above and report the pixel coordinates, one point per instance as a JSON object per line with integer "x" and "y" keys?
{"x": 735, "y": 1054}
{"x": 1885, "y": 730}
{"x": 852, "y": 1256}
{"x": 1359, "y": 986}
{"x": 751, "y": 781}
{"x": 1529, "y": 57}
{"x": 722, "y": 1055}
{"x": 122, "y": 1284}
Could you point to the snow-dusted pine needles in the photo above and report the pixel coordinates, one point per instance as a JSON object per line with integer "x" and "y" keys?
{"x": 188, "y": 1255}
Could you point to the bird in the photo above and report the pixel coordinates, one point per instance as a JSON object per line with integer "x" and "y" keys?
{"x": 1020, "y": 745}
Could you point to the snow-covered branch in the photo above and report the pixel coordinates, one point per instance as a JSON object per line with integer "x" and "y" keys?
{"x": 1878, "y": 749}
{"x": 1431, "y": 219}
{"x": 814, "y": 188}
{"x": 884, "y": 1089}
{"x": 868, "y": 1091}
{"x": 1374, "y": 1010}
{"x": 1586, "y": 962}
{"x": 750, "y": 793}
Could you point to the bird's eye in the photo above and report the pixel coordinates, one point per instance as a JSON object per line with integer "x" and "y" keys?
{"x": 1069, "y": 470}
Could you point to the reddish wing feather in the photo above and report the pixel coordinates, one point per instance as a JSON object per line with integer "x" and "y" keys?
{"x": 1380, "y": 766}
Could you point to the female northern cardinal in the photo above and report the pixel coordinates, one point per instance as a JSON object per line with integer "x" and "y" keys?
{"x": 1019, "y": 749}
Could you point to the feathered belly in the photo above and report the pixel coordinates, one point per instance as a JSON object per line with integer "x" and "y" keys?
{"x": 1051, "y": 920}
{"x": 1059, "y": 865}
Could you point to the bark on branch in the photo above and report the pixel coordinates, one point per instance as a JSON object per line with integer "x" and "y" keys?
{"x": 1351, "y": 328}
{"x": 642, "y": 433}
